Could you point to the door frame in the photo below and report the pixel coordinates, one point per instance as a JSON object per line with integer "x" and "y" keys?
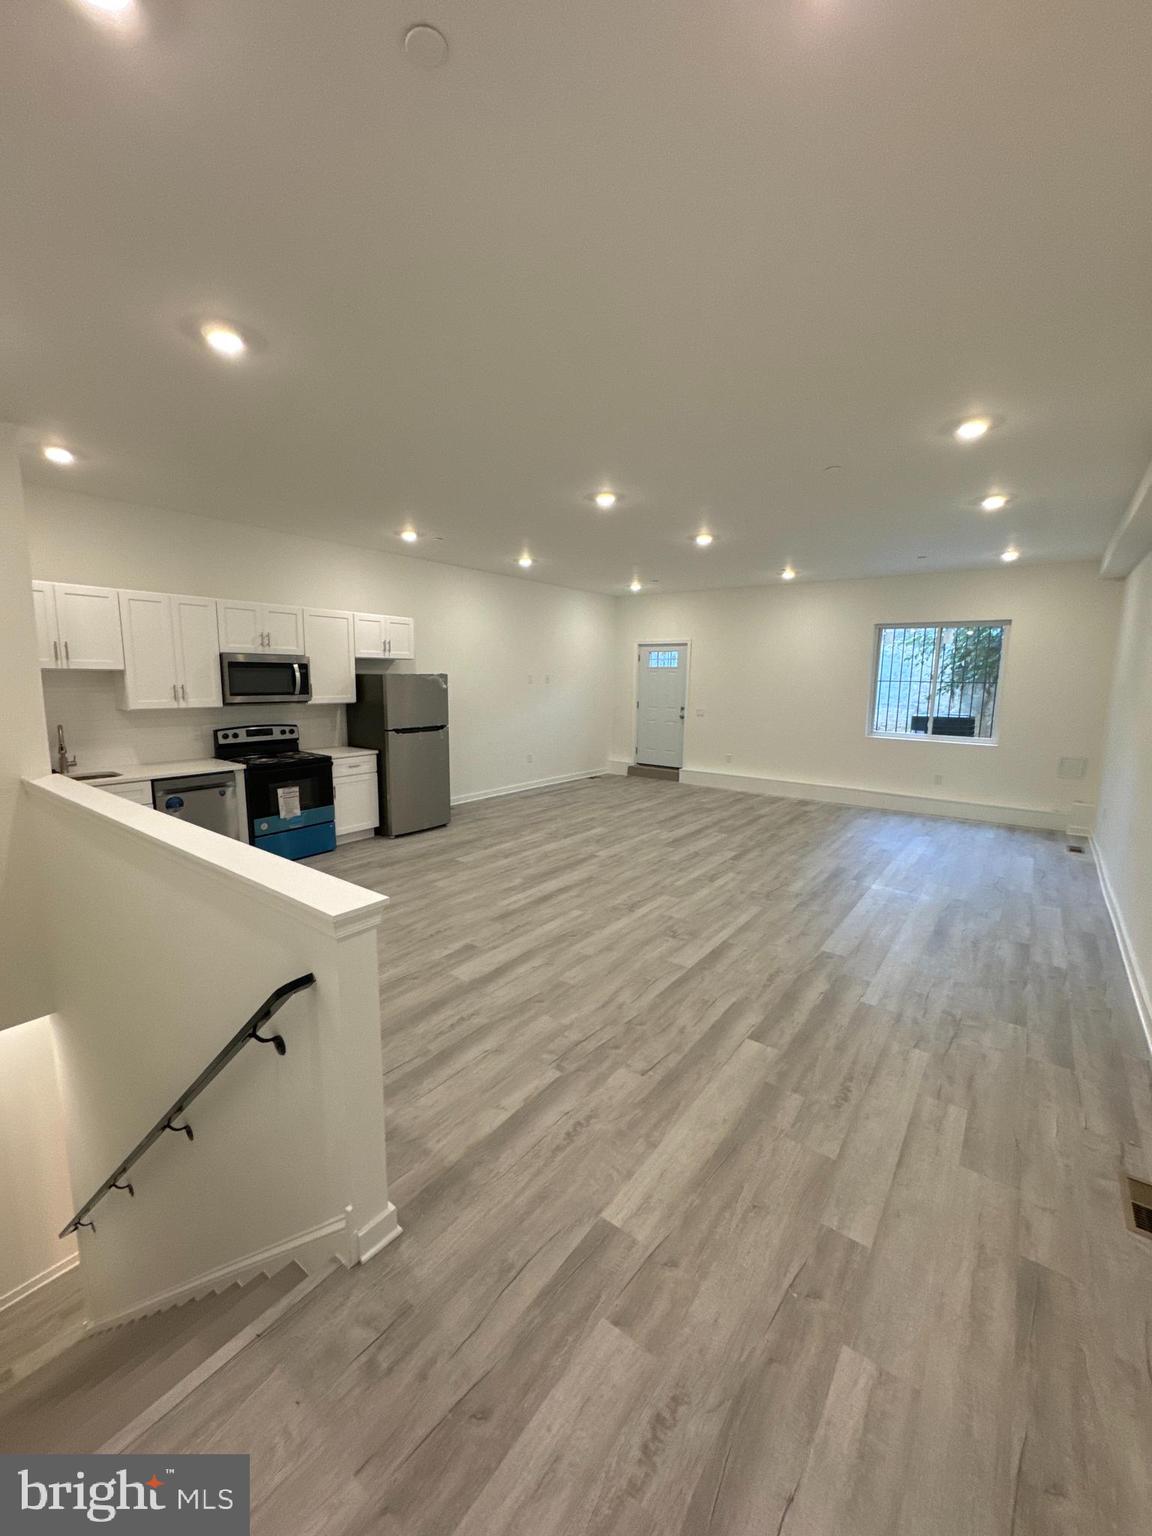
{"x": 660, "y": 644}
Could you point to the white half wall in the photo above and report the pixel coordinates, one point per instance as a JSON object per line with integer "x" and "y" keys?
{"x": 529, "y": 665}
{"x": 1123, "y": 838}
{"x": 780, "y": 684}
{"x": 167, "y": 939}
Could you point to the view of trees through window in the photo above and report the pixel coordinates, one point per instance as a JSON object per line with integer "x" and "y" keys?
{"x": 937, "y": 680}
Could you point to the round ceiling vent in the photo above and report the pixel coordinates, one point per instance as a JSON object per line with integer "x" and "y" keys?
{"x": 425, "y": 46}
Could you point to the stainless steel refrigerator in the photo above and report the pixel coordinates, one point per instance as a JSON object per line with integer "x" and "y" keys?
{"x": 404, "y": 717}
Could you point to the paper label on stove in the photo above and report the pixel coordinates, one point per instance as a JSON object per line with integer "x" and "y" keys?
{"x": 288, "y": 799}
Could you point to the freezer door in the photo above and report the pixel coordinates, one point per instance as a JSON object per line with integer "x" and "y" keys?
{"x": 415, "y": 698}
{"x": 416, "y": 786}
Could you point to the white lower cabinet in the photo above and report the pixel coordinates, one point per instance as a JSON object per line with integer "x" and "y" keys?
{"x": 357, "y": 793}
{"x": 139, "y": 791}
{"x": 171, "y": 651}
{"x": 330, "y": 648}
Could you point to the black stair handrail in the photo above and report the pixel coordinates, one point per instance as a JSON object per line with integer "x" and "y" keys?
{"x": 250, "y": 1031}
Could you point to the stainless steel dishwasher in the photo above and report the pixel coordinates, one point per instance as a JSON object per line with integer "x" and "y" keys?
{"x": 205, "y": 799}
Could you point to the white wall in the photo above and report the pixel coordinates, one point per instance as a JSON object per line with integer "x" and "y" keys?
{"x": 780, "y": 685}
{"x": 34, "y": 1191}
{"x": 1124, "y": 825}
{"x": 167, "y": 939}
{"x": 497, "y": 637}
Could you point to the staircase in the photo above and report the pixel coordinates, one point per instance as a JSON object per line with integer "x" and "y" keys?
{"x": 100, "y": 1390}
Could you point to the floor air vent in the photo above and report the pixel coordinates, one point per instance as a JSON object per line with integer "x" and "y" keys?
{"x": 1139, "y": 1206}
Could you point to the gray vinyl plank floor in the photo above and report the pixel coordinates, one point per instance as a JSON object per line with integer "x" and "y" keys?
{"x": 760, "y": 1168}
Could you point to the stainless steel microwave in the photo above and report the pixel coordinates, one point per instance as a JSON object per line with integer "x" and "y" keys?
{"x": 254, "y": 677}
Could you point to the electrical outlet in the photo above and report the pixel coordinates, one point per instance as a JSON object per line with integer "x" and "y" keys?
{"x": 727, "y": 757}
{"x": 938, "y": 778}
{"x": 529, "y": 758}
{"x": 547, "y": 678}
{"x": 699, "y": 714}
{"x": 530, "y": 677}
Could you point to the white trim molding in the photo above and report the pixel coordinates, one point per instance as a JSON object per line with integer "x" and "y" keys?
{"x": 521, "y": 789}
{"x": 45, "y": 1277}
{"x": 1044, "y": 820}
{"x": 1136, "y": 979}
{"x": 367, "y": 1241}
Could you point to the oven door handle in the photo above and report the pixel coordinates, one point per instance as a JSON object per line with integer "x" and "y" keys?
{"x": 299, "y": 684}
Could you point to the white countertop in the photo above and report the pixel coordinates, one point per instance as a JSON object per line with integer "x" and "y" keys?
{"x": 138, "y": 773}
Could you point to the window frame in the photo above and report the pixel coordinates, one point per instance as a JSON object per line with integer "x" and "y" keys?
{"x": 927, "y": 737}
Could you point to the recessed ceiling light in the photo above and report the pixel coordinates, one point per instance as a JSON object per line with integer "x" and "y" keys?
{"x": 605, "y": 500}
{"x": 703, "y": 539}
{"x": 787, "y": 574}
{"x": 109, "y": 7}
{"x": 524, "y": 561}
{"x": 969, "y": 431}
{"x": 1010, "y": 554}
{"x": 994, "y": 503}
{"x": 223, "y": 339}
{"x": 57, "y": 455}
{"x": 634, "y": 586}
{"x": 409, "y": 535}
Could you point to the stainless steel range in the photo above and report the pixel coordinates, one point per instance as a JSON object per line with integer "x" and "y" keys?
{"x": 291, "y": 807}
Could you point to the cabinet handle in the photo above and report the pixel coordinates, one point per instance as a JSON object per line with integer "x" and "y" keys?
{"x": 56, "y": 652}
{"x": 67, "y": 653}
{"x": 388, "y": 647}
{"x": 183, "y": 693}
{"x": 175, "y": 693}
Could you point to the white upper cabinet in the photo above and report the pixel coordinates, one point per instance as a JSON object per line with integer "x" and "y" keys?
{"x": 401, "y": 638}
{"x": 77, "y": 627}
{"x": 260, "y": 627}
{"x": 47, "y": 639}
{"x": 197, "y": 651}
{"x": 330, "y": 648}
{"x": 384, "y": 636}
{"x": 171, "y": 651}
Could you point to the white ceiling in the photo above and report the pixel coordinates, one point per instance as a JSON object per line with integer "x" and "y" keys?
{"x": 696, "y": 251}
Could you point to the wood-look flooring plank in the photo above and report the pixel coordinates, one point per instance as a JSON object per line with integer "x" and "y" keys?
{"x": 760, "y": 1172}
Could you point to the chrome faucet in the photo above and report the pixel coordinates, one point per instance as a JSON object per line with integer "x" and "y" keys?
{"x": 63, "y": 761}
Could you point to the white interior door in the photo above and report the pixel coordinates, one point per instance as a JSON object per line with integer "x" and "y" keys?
{"x": 661, "y": 691}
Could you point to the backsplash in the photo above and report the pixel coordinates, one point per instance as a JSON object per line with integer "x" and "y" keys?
{"x": 102, "y": 735}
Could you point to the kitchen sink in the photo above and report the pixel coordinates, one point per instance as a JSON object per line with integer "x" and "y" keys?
{"x": 84, "y": 777}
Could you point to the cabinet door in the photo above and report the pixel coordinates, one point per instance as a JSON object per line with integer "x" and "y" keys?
{"x": 357, "y": 804}
{"x": 88, "y": 620}
{"x": 48, "y": 650}
{"x": 371, "y": 632}
{"x": 400, "y": 638}
{"x": 284, "y": 630}
{"x": 149, "y": 651}
{"x": 197, "y": 651}
{"x": 240, "y": 625}
{"x": 328, "y": 642}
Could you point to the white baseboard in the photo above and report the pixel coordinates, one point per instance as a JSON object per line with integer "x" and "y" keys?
{"x": 1140, "y": 989}
{"x": 308, "y": 1249}
{"x": 45, "y": 1277}
{"x": 377, "y": 1234}
{"x": 870, "y": 799}
{"x": 519, "y": 789}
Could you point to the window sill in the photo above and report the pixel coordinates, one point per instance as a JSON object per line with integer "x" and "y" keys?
{"x": 936, "y": 741}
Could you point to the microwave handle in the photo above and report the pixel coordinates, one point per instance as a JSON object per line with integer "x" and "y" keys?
{"x": 299, "y": 681}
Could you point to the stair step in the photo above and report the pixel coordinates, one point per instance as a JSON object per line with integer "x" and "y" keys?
{"x": 107, "y": 1381}
{"x": 651, "y": 771}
